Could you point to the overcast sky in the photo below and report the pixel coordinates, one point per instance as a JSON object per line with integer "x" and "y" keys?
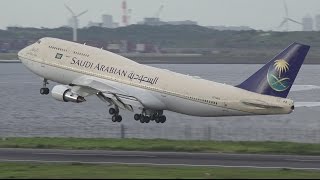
{"x": 258, "y": 14}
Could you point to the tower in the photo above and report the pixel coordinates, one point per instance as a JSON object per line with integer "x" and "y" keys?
{"x": 124, "y": 13}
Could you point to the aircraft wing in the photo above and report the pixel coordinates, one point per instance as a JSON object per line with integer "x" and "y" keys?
{"x": 88, "y": 85}
{"x": 95, "y": 84}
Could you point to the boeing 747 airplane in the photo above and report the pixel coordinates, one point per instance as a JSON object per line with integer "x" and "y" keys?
{"x": 126, "y": 85}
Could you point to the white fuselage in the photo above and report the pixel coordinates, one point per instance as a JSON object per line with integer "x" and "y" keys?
{"x": 158, "y": 89}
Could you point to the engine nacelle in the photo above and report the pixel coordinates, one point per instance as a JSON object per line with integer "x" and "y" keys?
{"x": 63, "y": 93}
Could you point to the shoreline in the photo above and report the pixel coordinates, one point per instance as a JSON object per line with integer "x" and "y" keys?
{"x": 186, "y": 59}
{"x": 10, "y": 61}
{"x": 174, "y": 62}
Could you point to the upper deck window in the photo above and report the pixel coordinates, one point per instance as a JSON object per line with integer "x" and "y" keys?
{"x": 81, "y": 54}
{"x": 59, "y": 49}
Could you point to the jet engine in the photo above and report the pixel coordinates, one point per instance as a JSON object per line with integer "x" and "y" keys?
{"x": 63, "y": 93}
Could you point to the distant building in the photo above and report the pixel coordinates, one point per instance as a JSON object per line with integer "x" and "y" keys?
{"x": 140, "y": 47}
{"x": 107, "y": 21}
{"x": 114, "y": 48}
{"x": 231, "y": 28}
{"x": 158, "y": 22}
{"x": 123, "y": 46}
{"x": 115, "y": 25}
{"x": 317, "y": 21}
{"x": 307, "y": 23}
{"x": 94, "y": 24}
{"x": 187, "y": 22}
{"x": 153, "y": 22}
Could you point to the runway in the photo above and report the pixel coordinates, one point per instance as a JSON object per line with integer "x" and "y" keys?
{"x": 160, "y": 158}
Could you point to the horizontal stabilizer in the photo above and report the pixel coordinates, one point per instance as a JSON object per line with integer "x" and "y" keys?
{"x": 307, "y": 104}
{"x": 259, "y": 104}
{"x": 304, "y": 87}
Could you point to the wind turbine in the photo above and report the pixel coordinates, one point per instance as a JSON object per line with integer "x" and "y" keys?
{"x": 157, "y": 15}
{"x": 75, "y": 21}
{"x": 287, "y": 19}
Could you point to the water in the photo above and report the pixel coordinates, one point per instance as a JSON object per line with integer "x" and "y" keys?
{"x": 26, "y": 113}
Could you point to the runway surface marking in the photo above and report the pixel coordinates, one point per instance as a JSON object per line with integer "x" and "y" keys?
{"x": 80, "y": 154}
{"x": 303, "y": 160}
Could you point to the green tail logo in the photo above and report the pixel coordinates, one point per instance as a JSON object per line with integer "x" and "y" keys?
{"x": 277, "y": 75}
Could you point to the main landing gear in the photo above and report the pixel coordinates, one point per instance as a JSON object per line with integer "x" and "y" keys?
{"x": 44, "y": 90}
{"x": 145, "y": 117}
{"x": 115, "y": 112}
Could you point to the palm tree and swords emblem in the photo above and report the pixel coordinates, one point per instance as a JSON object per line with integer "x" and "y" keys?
{"x": 275, "y": 75}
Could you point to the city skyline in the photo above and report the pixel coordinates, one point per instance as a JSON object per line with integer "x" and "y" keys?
{"x": 258, "y": 14}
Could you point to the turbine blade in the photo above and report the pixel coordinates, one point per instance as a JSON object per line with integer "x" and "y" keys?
{"x": 82, "y": 13}
{"x": 286, "y": 8}
{"x": 69, "y": 9}
{"x": 283, "y": 22}
{"x": 292, "y": 20}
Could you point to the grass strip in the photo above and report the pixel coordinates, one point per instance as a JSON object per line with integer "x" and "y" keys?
{"x": 162, "y": 145}
{"x": 8, "y": 56}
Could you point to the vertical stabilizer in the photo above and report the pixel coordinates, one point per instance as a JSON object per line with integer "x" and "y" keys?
{"x": 277, "y": 76}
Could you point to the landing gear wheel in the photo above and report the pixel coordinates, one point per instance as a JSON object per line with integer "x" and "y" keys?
{"x": 146, "y": 119}
{"x": 119, "y": 118}
{"x": 142, "y": 118}
{"x": 44, "y": 91}
{"x": 163, "y": 119}
{"x": 112, "y": 111}
{"x": 157, "y": 120}
{"x": 137, "y": 117}
{"x": 114, "y": 118}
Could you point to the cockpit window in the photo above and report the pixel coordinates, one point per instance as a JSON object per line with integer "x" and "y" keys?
{"x": 39, "y": 42}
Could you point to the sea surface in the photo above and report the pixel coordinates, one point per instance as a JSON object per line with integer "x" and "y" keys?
{"x": 26, "y": 113}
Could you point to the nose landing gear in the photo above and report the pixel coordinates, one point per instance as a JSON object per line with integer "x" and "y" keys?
{"x": 44, "y": 90}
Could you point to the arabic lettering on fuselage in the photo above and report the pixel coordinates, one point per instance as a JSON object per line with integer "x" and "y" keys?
{"x": 143, "y": 78}
{"x": 114, "y": 70}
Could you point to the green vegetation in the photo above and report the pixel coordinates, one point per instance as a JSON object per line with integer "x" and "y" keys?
{"x": 162, "y": 145}
{"x": 240, "y": 46}
{"x": 85, "y": 171}
{"x": 171, "y": 36}
{"x": 8, "y": 56}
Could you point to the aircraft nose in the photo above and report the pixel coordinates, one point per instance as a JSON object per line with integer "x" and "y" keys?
{"x": 22, "y": 52}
